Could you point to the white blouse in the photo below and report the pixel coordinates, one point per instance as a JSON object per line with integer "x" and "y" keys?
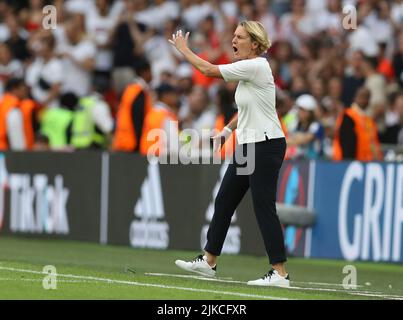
{"x": 255, "y": 97}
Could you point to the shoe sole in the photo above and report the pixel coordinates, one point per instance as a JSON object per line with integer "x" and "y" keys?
{"x": 196, "y": 271}
{"x": 285, "y": 285}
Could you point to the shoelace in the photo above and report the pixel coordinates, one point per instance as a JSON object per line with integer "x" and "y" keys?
{"x": 268, "y": 274}
{"x": 198, "y": 258}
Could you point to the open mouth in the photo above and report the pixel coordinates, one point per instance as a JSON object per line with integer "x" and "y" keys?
{"x": 235, "y": 49}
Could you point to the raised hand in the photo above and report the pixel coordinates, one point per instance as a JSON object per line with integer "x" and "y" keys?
{"x": 179, "y": 41}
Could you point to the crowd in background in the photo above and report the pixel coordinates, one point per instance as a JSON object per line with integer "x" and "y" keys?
{"x": 107, "y": 74}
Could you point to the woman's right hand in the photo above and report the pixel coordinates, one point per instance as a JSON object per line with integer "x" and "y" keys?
{"x": 179, "y": 41}
{"x": 219, "y": 139}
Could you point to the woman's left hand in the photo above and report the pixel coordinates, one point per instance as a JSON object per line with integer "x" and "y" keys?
{"x": 179, "y": 41}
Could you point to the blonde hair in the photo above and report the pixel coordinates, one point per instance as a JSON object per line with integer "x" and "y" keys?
{"x": 257, "y": 33}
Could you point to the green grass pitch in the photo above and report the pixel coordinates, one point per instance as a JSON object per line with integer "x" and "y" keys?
{"x": 92, "y": 271}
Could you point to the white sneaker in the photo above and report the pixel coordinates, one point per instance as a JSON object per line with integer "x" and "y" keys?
{"x": 198, "y": 265}
{"x": 271, "y": 279}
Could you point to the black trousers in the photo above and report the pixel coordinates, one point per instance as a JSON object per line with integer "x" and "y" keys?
{"x": 268, "y": 158}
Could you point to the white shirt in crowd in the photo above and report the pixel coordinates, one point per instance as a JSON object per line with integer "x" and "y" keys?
{"x": 75, "y": 78}
{"x": 101, "y": 114}
{"x": 255, "y": 97}
{"x": 51, "y": 72}
{"x": 160, "y": 54}
{"x": 15, "y": 130}
{"x": 157, "y": 16}
{"x": 13, "y": 69}
{"x": 99, "y": 29}
{"x": 307, "y": 25}
{"x": 397, "y": 13}
{"x": 196, "y": 13}
{"x": 363, "y": 40}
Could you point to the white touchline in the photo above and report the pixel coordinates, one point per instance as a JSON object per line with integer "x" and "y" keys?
{"x": 229, "y": 280}
{"x": 193, "y": 277}
{"x": 359, "y": 293}
{"x": 40, "y": 280}
{"x": 355, "y": 293}
{"x": 135, "y": 283}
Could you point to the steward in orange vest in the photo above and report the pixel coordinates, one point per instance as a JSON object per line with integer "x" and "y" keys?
{"x": 135, "y": 104}
{"x": 166, "y": 109}
{"x": 356, "y": 135}
{"x": 14, "y": 96}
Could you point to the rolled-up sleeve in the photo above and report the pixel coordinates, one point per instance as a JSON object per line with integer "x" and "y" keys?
{"x": 241, "y": 70}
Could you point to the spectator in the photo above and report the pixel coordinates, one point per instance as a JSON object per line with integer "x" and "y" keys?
{"x": 13, "y": 133}
{"x": 56, "y": 123}
{"x": 164, "y": 118}
{"x": 184, "y": 86}
{"x": 32, "y": 16}
{"x": 210, "y": 49}
{"x": 380, "y": 24}
{"x": 361, "y": 38}
{"x": 125, "y": 50}
{"x": 45, "y": 75}
{"x": 332, "y": 106}
{"x": 330, "y": 20}
{"x": 376, "y": 84}
{"x": 194, "y": 12}
{"x": 158, "y": 14}
{"x": 92, "y": 121}
{"x": 78, "y": 57}
{"x": 298, "y": 25}
{"x": 356, "y": 134}
{"x": 156, "y": 48}
{"x": 393, "y": 120}
{"x": 9, "y": 67}
{"x": 100, "y": 23}
{"x": 5, "y": 11}
{"x": 309, "y": 133}
{"x": 283, "y": 52}
{"x": 134, "y": 106}
{"x": 398, "y": 60}
{"x": 287, "y": 111}
{"x": 353, "y": 77}
{"x": 397, "y": 13}
{"x": 17, "y": 39}
{"x": 385, "y": 66}
{"x": 201, "y": 116}
{"x": 267, "y": 18}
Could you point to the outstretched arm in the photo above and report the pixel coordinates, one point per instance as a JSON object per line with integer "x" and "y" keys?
{"x": 205, "y": 67}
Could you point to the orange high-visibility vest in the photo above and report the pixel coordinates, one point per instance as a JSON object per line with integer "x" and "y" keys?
{"x": 228, "y": 148}
{"x": 7, "y": 103}
{"x": 125, "y": 136}
{"x": 155, "y": 119}
{"x": 27, "y": 107}
{"x": 368, "y": 146}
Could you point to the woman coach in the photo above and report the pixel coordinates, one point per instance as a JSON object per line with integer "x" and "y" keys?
{"x": 255, "y": 98}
